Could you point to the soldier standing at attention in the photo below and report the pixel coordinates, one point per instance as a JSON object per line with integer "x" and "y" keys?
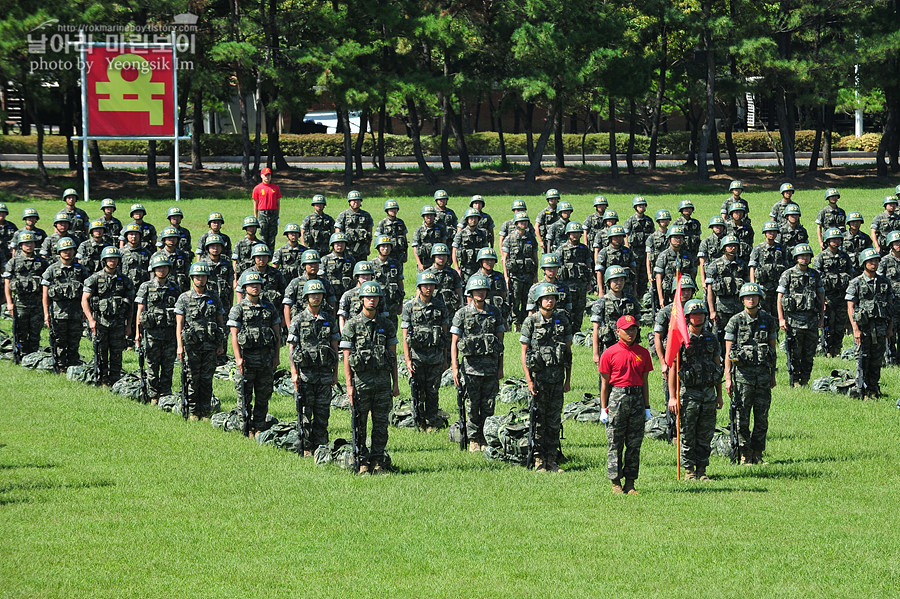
{"x": 735, "y": 188}
{"x": 551, "y": 264}
{"x": 739, "y": 226}
{"x": 313, "y": 338}
{"x": 356, "y": 224}
{"x": 445, "y": 217}
{"x": 135, "y": 264}
{"x": 78, "y": 218}
{"x": 179, "y": 259}
{"x": 692, "y": 227}
{"x": 255, "y": 340}
{"x": 547, "y": 361}
{"x": 155, "y": 300}
{"x": 425, "y": 324}
{"x": 215, "y": 222}
{"x": 710, "y": 246}
{"x": 836, "y": 269}
{"x": 449, "y": 284}
{"x": 369, "y": 342}
{"x": 476, "y": 356}
{"x": 884, "y": 223}
{"x": 293, "y": 296}
{"x": 31, "y": 217}
{"x": 519, "y": 256}
{"x": 639, "y": 227}
{"x": 870, "y": 306}
{"x": 801, "y": 313}
{"x": 616, "y": 253}
{"x": 791, "y": 232}
{"x": 855, "y": 241}
{"x": 608, "y": 308}
{"x": 88, "y": 253}
{"x": 62, "y": 284}
{"x": 395, "y": 228}
{"x": 350, "y": 303}
{"x": 670, "y": 261}
{"x": 485, "y": 223}
{"x": 830, "y": 216}
{"x": 625, "y": 401}
{"x": 661, "y": 327}
{"x": 601, "y": 239}
{"x": 7, "y": 231}
{"x": 266, "y": 202}
{"x": 337, "y": 266}
{"x": 751, "y": 339}
{"x": 466, "y": 243}
{"x": 148, "y": 231}
{"x": 777, "y": 213}
{"x": 767, "y": 261}
{"x": 221, "y": 272}
{"x": 287, "y": 258}
{"x": 317, "y": 227}
{"x": 547, "y": 217}
{"x": 724, "y": 278}
{"x": 242, "y": 255}
{"x": 271, "y": 279}
{"x": 508, "y": 225}
{"x": 656, "y": 244}
{"x": 890, "y": 268}
{"x": 498, "y": 295}
{"x": 200, "y": 338}
{"x": 426, "y": 236}
{"x": 700, "y": 396}
{"x": 594, "y": 222}
{"x": 174, "y": 215}
{"x": 556, "y": 233}
{"x": 106, "y": 303}
{"x": 389, "y": 274}
{"x": 61, "y": 228}
{"x": 112, "y": 224}
{"x": 575, "y": 272}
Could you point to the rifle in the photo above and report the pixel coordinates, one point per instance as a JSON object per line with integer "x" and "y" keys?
{"x": 54, "y": 350}
{"x": 299, "y": 400}
{"x": 826, "y": 329}
{"x": 414, "y": 399}
{"x": 17, "y": 344}
{"x": 96, "y": 343}
{"x": 732, "y": 432}
{"x": 461, "y": 404}
{"x": 184, "y": 385}
{"x": 532, "y": 417}
{"x": 789, "y": 354}
{"x": 245, "y": 411}
{"x": 354, "y": 437}
{"x": 139, "y": 348}
{"x": 861, "y": 359}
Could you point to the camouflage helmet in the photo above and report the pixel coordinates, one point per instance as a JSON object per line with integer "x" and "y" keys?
{"x": 854, "y": 216}
{"x": 354, "y": 195}
{"x": 735, "y": 185}
{"x": 544, "y": 290}
{"x": 318, "y": 199}
{"x": 107, "y": 203}
{"x": 215, "y": 217}
{"x": 477, "y": 282}
{"x": 735, "y": 206}
{"x": 132, "y": 228}
{"x": 685, "y": 204}
{"x": 25, "y": 237}
{"x": 65, "y": 243}
{"x": 687, "y": 282}
{"x": 695, "y": 306}
{"x": 110, "y": 252}
{"x": 476, "y": 198}
{"x": 3, "y": 208}
{"x": 429, "y": 210}
{"x": 831, "y": 192}
{"x": 615, "y": 230}
{"x": 313, "y": 286}
{"x": 337, "y": 238}
{"x": 600, "y": 201}
{"x": 770, "y": 225}
{"x": 30, "y": 213}
{"x": 611, "y": 215}
{"x": 62, "y": 217}
{"x": 440, "y": 249}
{"x": 486, "y": 254}
{"x": 614, "y": 272}
{"x": 199, "y": 269}
{"x": 169, "y": 232}
{"x": 371, "y": 289}
{"x": 868, "y": 254}
{"x": 792, "y": 209}
{"x": 575, "y": 227}
{"x": 550, "y": 261}
{"x": 519, "y": 205}
{"x": 291, "y": 228}
{"x": 833, "y": 233}
{"x": 212, "y": 239}
{"x": 159, "y": 260}
{"x": 310, "y": 257}
{"x": 97, "y": 224}
{"x": 174, "y": 211}
{"x": 250, "y": 221}
{"x": 786, "y": 187}
{"x": 383, "y": 240}
{"x": 638, "y": 201}
{"x": 426, "y": 278}
{"x": 249, "y": 277}
{"x": 893, "y": 236}
{"x": 716, "y": 221}
{"x": 801, "y": 248}
{"x": 391, "y": 205}
{"x": 471, "y": 212}
{"x": 363, "y": 267}
{"x": 441, "y": 194}
{"x": 750, "y": 289}
{"x": 662, "y": 214}
{"x": 70, "y": 191}
{"x": 521, "y": 216}
{"x": 137, "y": 208}
{"x": 552, "y": 193}
{"x": 728, "y": 240}
{"x": 675, "y": 230}
{"x": 892, "y": 199}
{"x": 565, "y": 206}
{"x": 260, "y": 249}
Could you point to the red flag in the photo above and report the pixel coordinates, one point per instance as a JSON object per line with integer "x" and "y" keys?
{"x": 678, "y": 333}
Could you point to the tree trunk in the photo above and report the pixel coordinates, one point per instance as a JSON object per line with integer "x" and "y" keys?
{"x": 715, "y": 151}
{"x": 817, "y": 141}
{"x": 534, "y": 165}
{"x": 39, "y": 126}
{"x": 415, "y": 130}
{"x": 826, "y": 135}
{"x": 245, "y": 135}
{"x": 151, "y": 164}
{"x": 784, "y": 107}
{"x": 67, "y": 118}
{"x": 558, "y": 148}
{"x": 497, "y": 117}
{"x": 197, "y": 129}
{"x": 382, "y": 117}
{"x": 613, "y": 158}
{"x": 360, "y": 138}
{"x": 710, "y": 125}
{"x": 632, "y": 127}
{"x": 529, "y": 135}
{"x": 257, "y": 140}
{"x": 344, "y": 116}
{"x": 445, "y": 141}
{"x": 96, "y": 160}
{"x": 660, "y": 94}
{"x": 456, "y": 127}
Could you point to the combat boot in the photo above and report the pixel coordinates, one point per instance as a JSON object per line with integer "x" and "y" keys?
{"x": 379, "y": 468}
{"x": 758, "y": 459}
{"x": 193, "y": 417}
{"x": 474, "y": 447}
{"x": 539, "y": 465}
{"x": 629, "y": 487}
{"x": 552, "y": 466}
{"x": 689, "y": 473}
{"x": 154, "y": 401}
{"x": 701, "y": 473}
{"x": 617, "y": 486}
{"x": 746, "y": 457}
{"x": 364, "y": 468}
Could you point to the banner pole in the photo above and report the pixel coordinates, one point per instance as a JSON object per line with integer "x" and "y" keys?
{"x": 176, "y": 131}
{"x": 84, "y": 118}
{"x": 678, "y": 415}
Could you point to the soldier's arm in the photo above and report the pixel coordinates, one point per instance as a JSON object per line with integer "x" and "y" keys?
{"x": 454, "y": 357}
{"x": 236, "y": 348}
{"x": 604, "y": 390}
{"x": 874, "y": 235}
{"x": 595, "y": 342}
{"x": 780, "y": 309}
{"x": 752, "y": 274}
{"x": 819, "y": 234}
{"x": 7, "y": 291}
{"x": 728, "y": 343}
{"x": 406, "y": 354}
{"x": 500, "y": 359}
{"x": 86, "y": 308}
{"x": 137, "y": 321}
{"x": 455, "y": 260}
{"x": 179, "y": 327}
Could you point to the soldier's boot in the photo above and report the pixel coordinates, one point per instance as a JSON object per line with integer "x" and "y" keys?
{"x": 539, "y": 465}
{"x": 689, "y": 473}
{"x": 758, "y": 459}
{"x": 193, "y": 417}
{"x": 629, "y": 487}
{"x": 154, "y": 401}
{"x": 379, "y": 468}
{"x": 617, "y": 486}
{"x": 474, "y": 446}
{"x": 552, "y": 466}
{"x": 364, "y": 468}
{"x": 746, "y": 456}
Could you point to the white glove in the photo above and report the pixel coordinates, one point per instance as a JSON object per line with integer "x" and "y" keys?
{"x": 647, "y": 414}
{"x": 604, "y": 416}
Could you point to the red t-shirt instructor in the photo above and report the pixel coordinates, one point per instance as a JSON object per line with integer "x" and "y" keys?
{"x": 266, "y": 202}
{"x": 625, "y": 399}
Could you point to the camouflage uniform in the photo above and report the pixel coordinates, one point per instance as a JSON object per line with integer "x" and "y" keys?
{"x": 498, "y": 294}
{"x": 884, "y": 223}
{"x": 744, "y": 233}
{"x": 241, "y": 256}
{"x": 293, "y": 294}
{"x": 221, "y": 280}
{"x": 449, "y": 284}
{"x": 24, "y": 275}
{"x": 79, "y": 221}
{"x": 725, "y": 277}
{"x": 446, "y": 218}
{"x": 397, "y": 231}
{"x": 338, "y": 269}
{"x": 254, "y": 325}
{"x": 181, "y": 264}
{"x": 157, "y": 324}
{"x": 889, "y": 267}
{"x": 485, "y": 225}
{"x": 556, "y": 234}
{"x": 426, "y": 327}
{"x": 389, "y": 273}
{"x": 656, "y": 245}
{"x": 577, "y": 264}
{"x": 593, "y": 224}
{"x": 800, "y": 303}
{"x": 836, "y": 270}
{"x": 111, "y": 306}
{"x": 625, "y": 432}
{"x": 521, "y": 268}
{"x": 287, "y": 260}
{"x": 667, "y": 265}
{"x": 135, "y": 263}
{"x": 607, "y": 310}
{"x": 621, "y": 256}
{"x": 201, "y": 244}
{"x": 777, "y": 212}
{"x": 693, "y": 230}
{"x": 312, "y": 338}
{"x": 467, "y": 243}
{"x": 789, "y": 236}
{"x": 64, "y": 286}
{"x": 873, "y": 300}
{"x": 832, "y": 216}
{"x": 48, "y": 248}
{"x": 88, "y": 254}
{"x": 201, "y": 336}
{"x": 7, "y": 231}
{"x": 148, "y": 235}
{"x": 356, "y": 225}
{"x": 698, "y": 377}
{"x": 545, "y": 218}
{"x": 273, "y": 285}
{"x": 39, "y": 236}
{"x": 565, "y": 296}
{"x": 638, "y": 229}
{"x": 424, "y": 239}
{"x": 769, "y": 262}
{"x": 113, "y": 230}
{"x": 853, "y": 245}
{"x": 709, "y": 248}
{"x": 317, "y": 231}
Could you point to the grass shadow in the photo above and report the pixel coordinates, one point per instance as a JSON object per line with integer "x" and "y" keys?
{"x": 14, "y": 466}
{"x": 716, "y": 489}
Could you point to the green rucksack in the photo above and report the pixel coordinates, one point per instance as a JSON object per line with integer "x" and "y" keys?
{"x": 401, "y": 415}
{"x": 584, "y": 338}
{"x": 850, "y": 353}
{"x": 225, "y": 372}
{"x": 514, "y": 391}
{"x": 42, "y": 359}
{"x": 339, "y": 398}
{"x": 721, "y": 442}
{"x": 6, "y": 346}
{"x": 128, "y": 386}
{"x": 657, "y": 427}
{"x": 447, "y": 378}
{"x": 507, "y": 436}
{"x": 283, "y": 384}
{"x": 587, "y": 409}
{"x": 841, "y": 381}
{"x": 82, "y": 373}
{"x": 282, "y": 435}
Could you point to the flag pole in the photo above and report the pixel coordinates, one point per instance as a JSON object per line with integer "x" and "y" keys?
{"x": 678, "y": 415}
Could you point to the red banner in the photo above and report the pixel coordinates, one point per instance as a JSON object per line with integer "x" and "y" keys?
{"x": 130, "y": 91}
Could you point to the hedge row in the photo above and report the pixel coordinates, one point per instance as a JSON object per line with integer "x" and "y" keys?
{"x": 485, "y": 143}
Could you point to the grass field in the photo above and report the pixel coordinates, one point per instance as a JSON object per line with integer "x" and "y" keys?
{"x": 104, "y": 497}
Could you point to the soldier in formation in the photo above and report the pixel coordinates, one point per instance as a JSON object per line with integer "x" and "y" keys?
{"x": 337, "y": 267}
{"x": 767, "y": 261}
{"x": 215, "y": 221}
{"x": 287, "y": 258}
{"x": 317, "y": 227}
{"x": 62, "y": 284}
{"x": 429, "y": 233}
{"x": 395, "y": 228}
{"x": 830, "y": 216}
{"x": 356, "y": 224}
{"x": 155, "y": 331}
{"x": 801, "y": 313}
{"x": 107, "y": 303}
{"x": 834, "y": 265}
{"x": 870, "y": 306}
{"x": 22, "y": 288}
{"x": 519, "y": 255}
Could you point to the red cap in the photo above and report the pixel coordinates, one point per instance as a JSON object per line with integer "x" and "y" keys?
{"x": 265, "y": 171}
{"x": 626, "y": 322}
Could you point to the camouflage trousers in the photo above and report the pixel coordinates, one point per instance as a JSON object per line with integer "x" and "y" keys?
{"x": 870, "y": 356}
{"x": 549, "y": 403}
{"x": 755, "y": 398}
{"x": 109, "y": 343}
{"x": 722, "y": 319}
{"x": 255, "y": 384}
{"x": 803, "y": 350}
{"x": 377, "y": 402}
{"x": 698, "y": 424}
{"x": 625, "y": 432}
{"x": 518, "y": 299}
{"x": 160, "y": 350}
{"x": 428, "y": 382}
{"x": 466, "y": 271}
{"x": 29, "y": 322}
{"x": 268, "y": 227}
{"x": 579, "y": 301}
{"x": 201, "y": 365}
{"x": 836, "y": 323}
{"x": 67, "y": 336}
{"x": 315, "y": 397}
{"x": 481, "y": 393}
{"x": 640, "y": 275}
{"x": 892, "y": 351}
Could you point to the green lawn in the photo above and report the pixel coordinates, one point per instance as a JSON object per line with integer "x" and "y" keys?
{"x": 101, "y": 496}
